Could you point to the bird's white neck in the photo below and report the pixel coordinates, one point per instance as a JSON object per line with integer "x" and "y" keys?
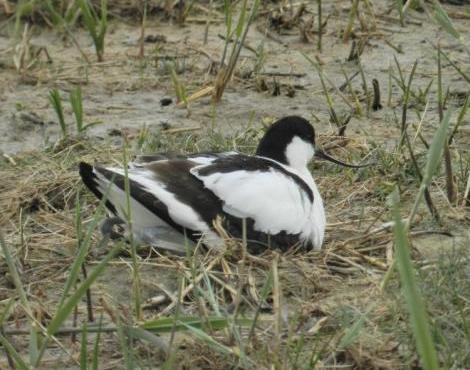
{"x": 315, "y": 225}
{"x": 299, "y": 153}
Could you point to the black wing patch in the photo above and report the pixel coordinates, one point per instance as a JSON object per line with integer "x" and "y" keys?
{"x": 177, "y": 179}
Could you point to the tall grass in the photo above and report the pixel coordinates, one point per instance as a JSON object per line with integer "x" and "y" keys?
{"x": 239, "y": 35}
{"x": 433, "y": 160}
{"x": 407, "y": 93}
{"x": 180, "y": 88}
{"x": 401, "y": 13}
{"x": 447, "y": 156}
{"x": 418, "y": 316}
{"x": 76, "y": 103}
{"x": 442, "y": 18}
{"x": 95, "y": 24}
{"x": 66, "y": 21}
{"x": 351, "y": 18}
{"x": 56, "y": 101}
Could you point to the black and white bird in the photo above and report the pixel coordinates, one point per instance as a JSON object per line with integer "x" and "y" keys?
{"x": 174, "y": 201}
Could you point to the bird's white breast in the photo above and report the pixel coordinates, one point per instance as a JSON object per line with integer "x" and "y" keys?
{"x": 314, "y": 228}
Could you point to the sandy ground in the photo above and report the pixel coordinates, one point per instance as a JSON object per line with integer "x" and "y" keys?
{"x": 123, "y": 95}
{"x": 124, "y": 92}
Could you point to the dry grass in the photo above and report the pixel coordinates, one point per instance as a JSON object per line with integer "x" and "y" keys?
{"x": 322, "y": 294}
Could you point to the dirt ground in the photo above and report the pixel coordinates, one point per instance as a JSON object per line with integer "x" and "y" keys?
{"x": 323, "y": 294}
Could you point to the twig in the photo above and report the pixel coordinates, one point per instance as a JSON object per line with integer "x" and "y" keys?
{"x": 282, "y": 74}
{"x": 348, "y": 81}
{"x": 320, "y": 26}
{"x": 398, "y": 49}
{"x": 376, "y": 105}
{"x": 244, "y": 44}
{"x": 89, "y": 304}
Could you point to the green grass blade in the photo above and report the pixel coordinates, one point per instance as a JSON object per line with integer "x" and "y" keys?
{"x": 433, "y": 160}
{"x": 241, "y": 20}
{"x": 56, "y": 101}
{"x": 71, "y": 14}
{"x": 265, "y": 290}
{"x": 56, "y": 17}
{"x": 70, "y": 303}
{"x": 126, "y": 349}
{"x": 77, "y": 107}
{"x": 88, "y": 18}
{"x": 166, "y": 324}
{"x": 96, "y": 349}
{"x": 441, "y": 17}
{"x": 19, "y": 362}
{"x": 6, "y": 310}
{"x": 96, "y": 26}
{"x": 11, "y": 263}
{"x": 456, "y": 67}
{"x": 418, "y": 315}
{"x": 84, "y": 243}
{"x": 142, "y": 334}
{"x": 84, "y": 349}
{"x": 460, "y": 117}
{"x": 33, "y": 345}
{"x": 228, "y": 29}
{"x": 75, "y": 269}
{"x": 401, "y": 81}
{"x": 399, "y": 4}
{"x": 23, "y": 8}
{"x": 103, "y": 23}
{"x": 180, "y": 89}
{"x": 435, "y": 150}
{"x": 211, "y": 342}
{"x": 228, "y": 16}
{"x": 352, "y": 332}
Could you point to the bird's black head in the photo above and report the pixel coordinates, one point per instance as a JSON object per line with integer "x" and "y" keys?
{"x": 290, "y": 139}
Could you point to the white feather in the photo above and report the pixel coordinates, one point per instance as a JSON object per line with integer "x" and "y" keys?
{"x": 299, "y": 153}
{"x": 272, "y": 199}
{"x": 207, "y": 159}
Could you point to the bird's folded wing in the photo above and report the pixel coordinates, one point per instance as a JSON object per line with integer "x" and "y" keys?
{"x": 201, "y": 158}
{"x": 271, "y": 197}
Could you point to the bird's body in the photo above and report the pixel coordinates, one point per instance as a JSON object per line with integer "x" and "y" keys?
{"x": 174, "y": 201}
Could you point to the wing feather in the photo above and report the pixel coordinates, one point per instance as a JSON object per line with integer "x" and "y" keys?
{"x": 269, "y": 196}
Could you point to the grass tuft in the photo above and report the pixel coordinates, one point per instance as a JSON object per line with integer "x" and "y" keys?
{"x": 96, "y": 25}
{"x": 56, "y": 101}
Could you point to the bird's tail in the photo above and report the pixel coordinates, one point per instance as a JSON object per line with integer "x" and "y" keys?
{"x": 95, "y": 184}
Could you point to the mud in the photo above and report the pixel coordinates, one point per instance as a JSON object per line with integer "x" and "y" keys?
{"x": 124, "y": 92}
